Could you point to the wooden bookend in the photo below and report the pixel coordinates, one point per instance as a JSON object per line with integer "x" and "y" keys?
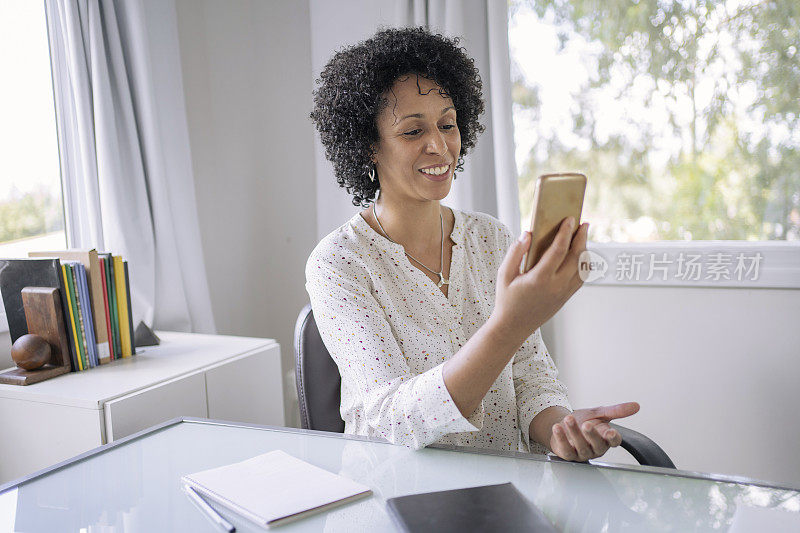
{"x": 46, "y": 319}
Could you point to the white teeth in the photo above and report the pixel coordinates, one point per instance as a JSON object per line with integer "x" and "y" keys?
{"x": 436, "y": 171}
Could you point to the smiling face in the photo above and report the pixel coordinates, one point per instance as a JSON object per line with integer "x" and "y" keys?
{"x": 419, "y": 141}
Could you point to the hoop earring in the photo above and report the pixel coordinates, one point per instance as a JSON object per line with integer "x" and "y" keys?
{"x": 372, "y": 174}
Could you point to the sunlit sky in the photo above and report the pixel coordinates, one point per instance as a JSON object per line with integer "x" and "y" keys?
{"x": 533, "y": 44}
{"x": 28, "y": 145}
{"x": 560, "y": 75}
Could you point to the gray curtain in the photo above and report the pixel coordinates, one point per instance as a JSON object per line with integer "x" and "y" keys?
{"x": 124, "y": 147}
{"x": 489, "y": 181}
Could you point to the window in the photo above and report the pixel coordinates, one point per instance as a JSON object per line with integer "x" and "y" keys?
{"x": 685, "y": 116}
{"x": 31, "y": 207}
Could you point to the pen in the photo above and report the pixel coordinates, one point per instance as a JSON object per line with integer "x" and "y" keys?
{"x": 208, "y": 510}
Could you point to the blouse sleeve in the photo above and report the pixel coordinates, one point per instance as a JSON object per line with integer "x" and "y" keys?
{"x": 536, "y": 383}
{"x": 407, "y": 409}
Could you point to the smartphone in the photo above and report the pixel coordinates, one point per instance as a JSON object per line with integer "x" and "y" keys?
{"x": 555, "y": 197}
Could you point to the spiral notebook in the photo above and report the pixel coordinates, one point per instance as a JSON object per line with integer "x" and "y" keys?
{"x": 275, "y": 488}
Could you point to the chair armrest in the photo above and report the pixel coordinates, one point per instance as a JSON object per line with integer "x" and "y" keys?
{"x": 644, "y": 450}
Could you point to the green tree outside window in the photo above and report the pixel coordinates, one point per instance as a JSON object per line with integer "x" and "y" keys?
{"x": 687, "y": 122}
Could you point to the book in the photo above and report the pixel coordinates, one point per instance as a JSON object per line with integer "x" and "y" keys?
{"x": 487, "y": 508}
{"x": 76, "y": 317}
{"x": 275, "y": 488}
{"x": 94, "y": 279}
{"x": 112, "y": 304}
{"x": 79, "y": 323}
{"x": 122, "y": 306}
{"x": 69, "y": 320}
{"x": 15, "y": 275}
{"x": 72, "y": 315}
{"x": 113, "y": 339}
{"x": 115, "y": 298}
{"x": 130, "y": 314}
{"x": 102, "y": 263}
{"x": 86, "y": 310}
{"x": 90, "y": 312}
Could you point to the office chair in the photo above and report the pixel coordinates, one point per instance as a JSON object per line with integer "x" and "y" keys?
{"x": 319, "y": 393}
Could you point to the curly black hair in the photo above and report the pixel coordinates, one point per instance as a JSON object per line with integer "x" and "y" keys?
{"x": 351, "y": 93}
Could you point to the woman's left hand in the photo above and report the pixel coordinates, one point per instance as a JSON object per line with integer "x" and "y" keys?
{"x": 585, "y": 434}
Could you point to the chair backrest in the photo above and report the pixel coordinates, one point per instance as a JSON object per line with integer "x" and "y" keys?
{"x": 318, "y": 379}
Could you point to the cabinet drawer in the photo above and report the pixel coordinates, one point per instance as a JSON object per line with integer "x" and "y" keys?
{"x": 183, "y": 396}
{"x": 36, "y": 435}
{"x": 247, "y": 389}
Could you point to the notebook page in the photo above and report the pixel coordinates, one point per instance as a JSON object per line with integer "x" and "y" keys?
{"x": 275, "y": 485}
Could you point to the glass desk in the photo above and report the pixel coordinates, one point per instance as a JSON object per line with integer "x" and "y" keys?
{"x": 134, "y": 485}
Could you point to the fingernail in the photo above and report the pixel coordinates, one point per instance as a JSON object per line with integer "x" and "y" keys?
{"x": 571, "y": 223}
{"x": 523, "y": 236}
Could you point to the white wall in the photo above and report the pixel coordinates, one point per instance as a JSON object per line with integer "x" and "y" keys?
{"x": 715, "y": 370}
{"x": 247, "y": 77}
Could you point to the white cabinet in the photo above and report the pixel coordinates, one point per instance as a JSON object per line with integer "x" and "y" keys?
{"x": 214, "y": 376}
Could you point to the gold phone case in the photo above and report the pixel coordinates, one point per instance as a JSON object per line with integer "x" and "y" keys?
{"x": 555, "y": 197}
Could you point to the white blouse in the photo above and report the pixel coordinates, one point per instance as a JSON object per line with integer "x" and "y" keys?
{"x": 389, "y": 329}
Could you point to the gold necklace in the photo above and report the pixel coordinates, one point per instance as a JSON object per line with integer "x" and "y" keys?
{"x": 442, "y": 279}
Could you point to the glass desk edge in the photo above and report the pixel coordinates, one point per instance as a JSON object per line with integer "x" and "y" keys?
{"x": 721, "y": 478}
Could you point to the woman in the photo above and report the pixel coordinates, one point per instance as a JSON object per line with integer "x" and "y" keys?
{"x": 435, "y": 332}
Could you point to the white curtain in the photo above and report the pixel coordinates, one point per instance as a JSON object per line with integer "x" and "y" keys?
{"x": 124, "y": 146}
{"x": 489, "y": 180}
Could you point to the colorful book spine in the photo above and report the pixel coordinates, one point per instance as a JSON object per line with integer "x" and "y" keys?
{"x": 130, "y": 314}
{"x": 76, "y": 321}
{"x": 122, "y": 306}
{"x": 81, "y": 304}
{"x": 112, "y": 303}
{"x": 105, "y": 305}
{"x": 79, "y": 318}
{"x": 68, "y": 297}
{"x": 88, "y": 316}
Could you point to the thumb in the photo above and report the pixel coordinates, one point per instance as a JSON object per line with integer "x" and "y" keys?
{"x": 509, "y": 268}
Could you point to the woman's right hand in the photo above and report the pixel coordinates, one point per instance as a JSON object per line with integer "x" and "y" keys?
{"x": 524, "y": 302}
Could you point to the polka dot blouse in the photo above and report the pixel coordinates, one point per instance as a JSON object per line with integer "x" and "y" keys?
{"x": 390, "y": 329}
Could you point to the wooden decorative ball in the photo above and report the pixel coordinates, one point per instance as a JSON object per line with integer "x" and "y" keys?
{"x": 30, "y": 352}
